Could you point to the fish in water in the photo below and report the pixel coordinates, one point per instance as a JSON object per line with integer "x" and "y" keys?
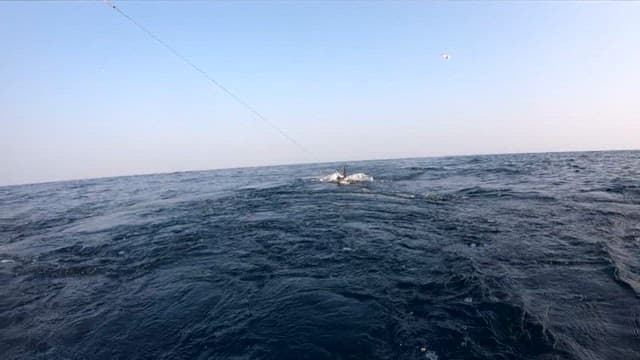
{"x": 343, "y": 178}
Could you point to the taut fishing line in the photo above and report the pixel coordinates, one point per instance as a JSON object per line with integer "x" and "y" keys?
{"x": 195, "y": 67}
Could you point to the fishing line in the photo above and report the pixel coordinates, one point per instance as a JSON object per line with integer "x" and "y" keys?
{"x": 195, "y": 67}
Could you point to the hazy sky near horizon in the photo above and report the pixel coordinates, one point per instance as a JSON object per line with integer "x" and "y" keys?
{"x": 87, "y": 94}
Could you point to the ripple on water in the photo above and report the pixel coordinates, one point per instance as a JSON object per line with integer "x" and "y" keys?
{"x": 484, "y": 257}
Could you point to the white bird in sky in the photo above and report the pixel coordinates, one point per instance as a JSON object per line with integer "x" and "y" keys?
{"x": 445, "y": 56}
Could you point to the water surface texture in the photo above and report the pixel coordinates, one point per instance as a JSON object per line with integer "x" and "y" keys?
{"x": 478, "y": 257}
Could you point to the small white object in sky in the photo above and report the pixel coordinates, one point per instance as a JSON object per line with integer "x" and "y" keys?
{"x": 445, "y": 56}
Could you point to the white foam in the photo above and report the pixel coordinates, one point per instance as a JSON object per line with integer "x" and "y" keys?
{"x": 336, "y": 177}
{"x": 431, "y": 355}
{"x": 332, "y": 178}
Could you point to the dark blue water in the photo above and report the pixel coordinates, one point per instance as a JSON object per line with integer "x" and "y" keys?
{"x": 480, "y": 257}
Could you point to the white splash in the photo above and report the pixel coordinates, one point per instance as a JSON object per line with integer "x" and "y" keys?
{"x": 337, "y": 178}
{"x": 431, "y": 355}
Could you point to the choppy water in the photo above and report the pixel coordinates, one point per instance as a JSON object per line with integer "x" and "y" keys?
{"x": 481, "y": 257}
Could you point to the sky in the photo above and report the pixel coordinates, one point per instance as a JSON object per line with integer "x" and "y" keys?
{"x": 87, "y": 94}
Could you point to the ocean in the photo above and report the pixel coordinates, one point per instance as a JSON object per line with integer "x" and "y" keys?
{"x": 527, "y": 256}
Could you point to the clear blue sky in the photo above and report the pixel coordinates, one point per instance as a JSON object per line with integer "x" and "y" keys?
{"x": 86, "y": 94}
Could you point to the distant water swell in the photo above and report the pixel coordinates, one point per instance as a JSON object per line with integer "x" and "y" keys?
{"x": 487, "y": 257}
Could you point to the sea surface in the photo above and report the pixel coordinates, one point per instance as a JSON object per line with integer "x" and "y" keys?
{"x": 530, "y": 256}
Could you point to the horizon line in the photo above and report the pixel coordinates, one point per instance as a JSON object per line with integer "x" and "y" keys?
{"x": 308, "y": 163}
